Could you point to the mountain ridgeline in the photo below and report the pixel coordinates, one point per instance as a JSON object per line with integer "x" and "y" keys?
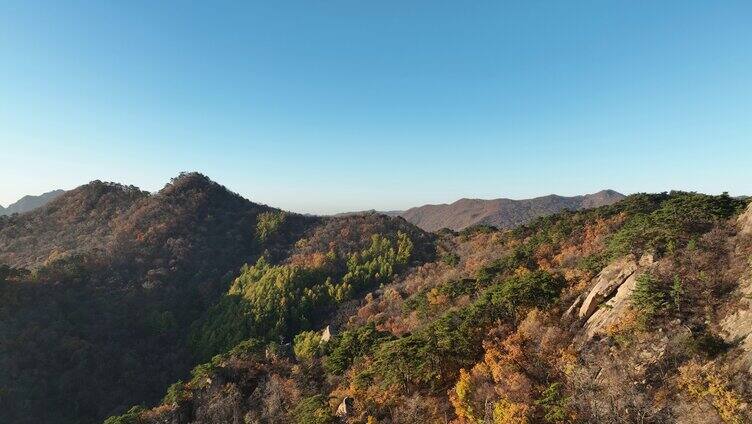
{"x": 501, "y": 213}
{"x": 195, "y": 305}
{"x": 29, "y": 203}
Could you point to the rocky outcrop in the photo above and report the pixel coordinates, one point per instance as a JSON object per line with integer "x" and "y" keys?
{"x": 571, "y": 312}
{"x": 745, "y": 221}
{"x": 326, "y": 335}
{"x": 737, "y": 326}
{"x": 608, "y": 300}
{"x": 606, "y": 282}
{"x": 611, "y": 311}
{"x": 345, "y": 408}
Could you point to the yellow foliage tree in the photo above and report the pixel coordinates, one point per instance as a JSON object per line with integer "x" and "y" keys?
{"x": 507, "y": 412}
{"x": 704, "y": 382}
{"x": 462, "y": 398}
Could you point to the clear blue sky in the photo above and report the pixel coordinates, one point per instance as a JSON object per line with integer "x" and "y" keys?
{"x": 327, "y": 106}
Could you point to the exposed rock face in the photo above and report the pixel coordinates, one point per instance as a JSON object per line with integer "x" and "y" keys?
{"x": 613, "y": 309}
{"x": 609, "y": 298}
{"x": 737, "y": 326}
{"x": 571, "y": 312}
{"x": 345, "y": 408}
{"x": 608, "y": 280}
{"x": 745, "y": 221}
{"x": 326, "y": 335}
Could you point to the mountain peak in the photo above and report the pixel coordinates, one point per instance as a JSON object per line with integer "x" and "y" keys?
{"x": 607, "y": 192}
{"x": 191, "y": 177}
{"x": 187, "y": 182}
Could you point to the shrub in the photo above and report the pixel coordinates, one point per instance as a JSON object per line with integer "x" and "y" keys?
{"x": 706, "y": 383}
{"x": 346, "y": 347}
{"x": 450, "y": 289}
{"x": 133, "y": 416}
{"x": 248, "y": 348}
{"x": 175, "y": 393}
{"x": 451, "y": 259}
{"x": 268, "y": 223}
{"x": 462, "y": 398}
{"x": 519, "y": 257}
{"x": 647, "y": 298}
{"x": 313, "y": 410}
{"x": 593, "y": 263}
{"x": 677, "y": 293}
{"x": 508, "y": 412}
{"x": 553, "y": 403}
{"x": 477, "y": 229}
{"x": 705, "y": 343}
{"x": 306, "y": 344}
{"x": 201, "y": 374}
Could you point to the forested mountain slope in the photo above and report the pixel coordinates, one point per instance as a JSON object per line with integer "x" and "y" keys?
{"x": 636, "y": 312}
{"x": 501, "y": 213}
{"x": 105, "y": 282}
{"x": 109, "y": 293}
{"x": 81, "y": 220}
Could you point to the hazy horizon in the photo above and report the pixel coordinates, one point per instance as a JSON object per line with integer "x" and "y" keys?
{"x": 393, "y": 209}
{"x": 251, "y": 198}
{"x": 339, "y": 106}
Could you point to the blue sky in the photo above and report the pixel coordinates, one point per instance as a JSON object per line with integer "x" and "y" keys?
{"x": 328, "y": 106}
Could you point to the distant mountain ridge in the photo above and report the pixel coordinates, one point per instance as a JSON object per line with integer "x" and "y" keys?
{"x": 501, "y": 213}
{"x": 29, "y": 203}
{"x": 369, "y": 211}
